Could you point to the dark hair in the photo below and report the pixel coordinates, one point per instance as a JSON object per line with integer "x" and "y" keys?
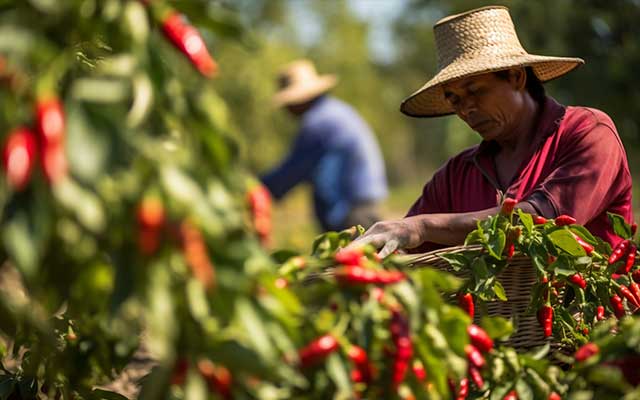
{"x": 534, "y": 86}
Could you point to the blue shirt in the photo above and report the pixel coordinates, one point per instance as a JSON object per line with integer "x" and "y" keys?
{"x": 337, "y": 153}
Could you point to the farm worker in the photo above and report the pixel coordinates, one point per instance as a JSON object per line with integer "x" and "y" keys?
{"x": 552, "y": 158}
{"x": 334, "y": 150}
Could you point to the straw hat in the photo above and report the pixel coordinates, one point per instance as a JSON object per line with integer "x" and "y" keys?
{"x": 299, "y": 82}
{"x": 473, "y": 43}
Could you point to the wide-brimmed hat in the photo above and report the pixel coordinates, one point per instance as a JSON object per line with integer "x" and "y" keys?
{"x": 299, "y": 82}
{"x": 473, "y": 43}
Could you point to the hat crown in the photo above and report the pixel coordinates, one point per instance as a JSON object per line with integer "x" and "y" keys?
{"x": 297, "y": 73}
{"x": 485, "y": 32}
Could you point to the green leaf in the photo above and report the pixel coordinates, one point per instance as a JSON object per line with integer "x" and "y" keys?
{"x": 339, "y": 376}
{"x": 499, "y": 290}
{"x": 497, "y": 327}
{"x": 620, "y": 226}
{"x": 20, "y": 243}
{"x": 102, "y": 91}
{"x": 524, "y": 390}
{"x": 84, "y": 204}
{"x": 253, "y": 325}
{"x": 197, "y": 300}
{"x": 87, "y": 145}
{"x": 564, "y": 240}
{"x": 526, "y": 219}
{"x": 496, "y": 244}
{"x": 474, "y": 237}
{"x": 457, "y": 261}
{"x": 195, "y": 387}
{"x": 479, "y": 268}
{"x": 501, "y": 391}
{"x": 455, "y": 321}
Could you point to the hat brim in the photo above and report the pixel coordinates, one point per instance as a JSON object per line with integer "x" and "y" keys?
{"x": 429, "y": 100}
{"x": 301, "y": 93}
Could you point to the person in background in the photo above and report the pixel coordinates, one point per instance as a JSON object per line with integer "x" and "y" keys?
{"x": 334, "y": 150}
{"x": 551, "y": 158}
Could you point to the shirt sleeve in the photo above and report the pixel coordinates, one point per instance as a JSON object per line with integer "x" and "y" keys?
{"x": 299, "y": 164}
{"x": 589, "y": 174}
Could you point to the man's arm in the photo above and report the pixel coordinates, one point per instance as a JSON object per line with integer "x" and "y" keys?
{"x": 442, "y": 228}
{"x": 297, "y": 167}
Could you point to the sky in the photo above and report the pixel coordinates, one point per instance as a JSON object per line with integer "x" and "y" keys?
{"x": 379, "y": 13}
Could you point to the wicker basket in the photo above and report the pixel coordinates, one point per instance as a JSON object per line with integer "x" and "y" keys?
{"x": 517, "y": 279}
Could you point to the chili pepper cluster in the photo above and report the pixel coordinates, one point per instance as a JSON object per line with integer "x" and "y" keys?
{"x": 153, "y": 227}
{"x": 259, "y": 200}
{"x": 24, "y": 149}
{"x": 185, "y": 37}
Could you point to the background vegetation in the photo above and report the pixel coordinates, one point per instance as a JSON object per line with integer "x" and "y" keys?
{"x": 384, "y": 50}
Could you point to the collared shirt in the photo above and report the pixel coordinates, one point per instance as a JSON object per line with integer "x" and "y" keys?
{"x": 337, "y": 153}
{"x": 577, "y": 166}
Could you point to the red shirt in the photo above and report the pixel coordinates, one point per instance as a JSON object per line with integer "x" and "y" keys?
{"x": 577, "y": 166}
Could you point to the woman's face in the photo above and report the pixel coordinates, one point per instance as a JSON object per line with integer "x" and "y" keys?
{"x": 489, "y": 104}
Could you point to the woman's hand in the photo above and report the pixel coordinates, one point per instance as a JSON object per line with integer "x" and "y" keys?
{"x": 404, "y": 233}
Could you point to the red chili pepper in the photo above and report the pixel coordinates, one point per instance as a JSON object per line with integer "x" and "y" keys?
{"x": 565, "y": 220}
{"x": 151, "y": 219}
{"x": 317, "y": 350}
{"x": 356, "y": 275}
{"x": 54, "y": 163}
{"x": 404, "y": 348}
{"x": 479, "y": 338}
{"x": 349, "y": 256}
{"x": 359, "y": 357}
{"x": 578, "y": 280}
{"x": 510, "y": 250}
{"x": 259, "y": 200}
{"x": 538, "y": 220}
{"x": 619, "y": 251}
{"x": 19, "y": 157}
{"x": 150, "y": 213}
{"x": 466, "y": 303}
{"x": 463, "y": 391}
{"x": 545, "y": 317}
{"x": 586, "y": 351}
{"x": 512, "y": 395}
{"x": 196, "y": 255}
{"x": 635, "y": 290}
{"x": 188, "y": 40}
{"x": 419, "y": 371}
{"x": 179, "y": 373}
{"x": 634, "y": 228}
{"x": 618, "y": 307}
{"x": 476, "y": 377}
{"x": 507, "y": 206}
{"x": 624, "y": 291}
{"x": 600, "y": 313}
{"x": 217, "y": 377}
{"x": 50, "y": 120}
{"x": 588, "y": 248}
{"x": 473, "y": 355}
{"x": 554, "y": 396}
{"x": 636, "y": 276}
{"x": 631, "y": 259}
{"x": 50, "y": 123}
